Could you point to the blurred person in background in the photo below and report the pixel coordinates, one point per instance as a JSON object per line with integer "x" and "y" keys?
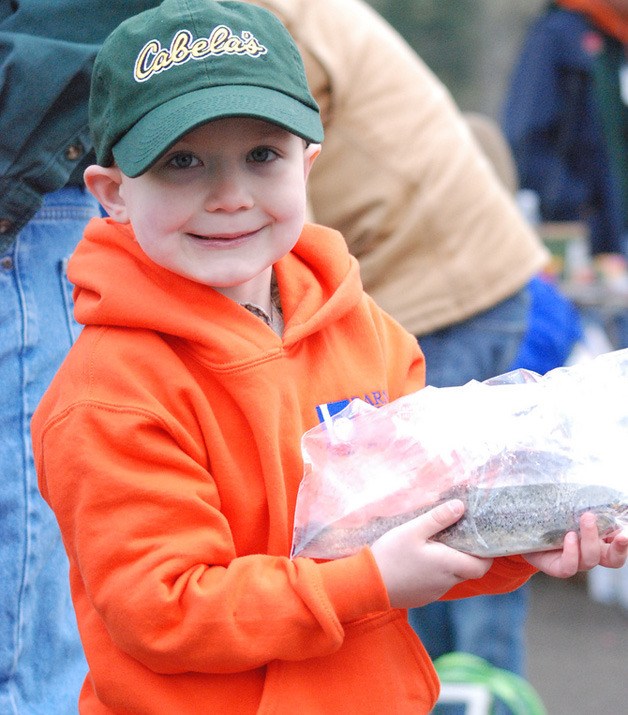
{"x": 441, "y": 243}
{"x": 46, "y": 55}
{"x": 566, "y": 119}
{"x": 555, "y": 328}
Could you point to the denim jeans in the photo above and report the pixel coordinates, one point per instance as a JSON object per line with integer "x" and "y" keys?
{"x": 478, "y": 348}
{"x": 41, "y": 660}
{"x": 492, "y": 626}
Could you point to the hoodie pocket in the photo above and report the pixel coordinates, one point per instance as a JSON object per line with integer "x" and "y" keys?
{"x": 381, "y": 667}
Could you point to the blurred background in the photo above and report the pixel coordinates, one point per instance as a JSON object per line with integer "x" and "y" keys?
{"x": 577, "y": 640}
{"x": 454, "y": 39}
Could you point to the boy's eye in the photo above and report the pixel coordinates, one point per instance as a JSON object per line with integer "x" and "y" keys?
{"x": 262, "y": 154}
{"x": 183, "y": 161}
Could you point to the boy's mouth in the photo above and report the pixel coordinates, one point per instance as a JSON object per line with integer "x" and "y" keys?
{"x": 226, "y": 240}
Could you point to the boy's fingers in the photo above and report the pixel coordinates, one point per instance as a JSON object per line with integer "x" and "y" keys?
{"x": 590, "y": 545}
{"x": 615, "y": 554}
{"x": 441, "y": 517}
{"x": 570, "y": 558}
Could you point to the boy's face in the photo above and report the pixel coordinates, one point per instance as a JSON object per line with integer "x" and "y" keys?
{"x": 223, "y": 204}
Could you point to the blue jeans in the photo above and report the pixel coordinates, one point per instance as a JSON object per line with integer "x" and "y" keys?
{"x": 41, "y": 660}
{"x": 478, "y": 348}
{"x": 491, "y": 627}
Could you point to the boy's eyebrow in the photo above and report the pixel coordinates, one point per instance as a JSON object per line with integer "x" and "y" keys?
{"x": 266, "y": 130}
{"x": 270, "y": 136}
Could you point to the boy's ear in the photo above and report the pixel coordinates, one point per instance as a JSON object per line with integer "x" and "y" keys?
{"x": 104, "y": 183}
{"x": 310, "y": 154}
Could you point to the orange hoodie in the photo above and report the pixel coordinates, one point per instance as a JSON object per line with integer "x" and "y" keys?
{"x": 168, "y": 446}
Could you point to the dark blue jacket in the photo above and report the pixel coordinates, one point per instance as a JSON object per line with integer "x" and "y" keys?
{"x": 553, "y": 122}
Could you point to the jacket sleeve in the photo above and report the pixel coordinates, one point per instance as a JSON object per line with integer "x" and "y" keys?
{"x": 506, "y": 574}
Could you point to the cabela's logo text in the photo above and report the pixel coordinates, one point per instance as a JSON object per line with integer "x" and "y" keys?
{"x": 153, "y": 58}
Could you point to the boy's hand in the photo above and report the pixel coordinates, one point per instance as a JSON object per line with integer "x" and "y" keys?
{"x": 416, "y": 570}
{"x": 582, "y": 554}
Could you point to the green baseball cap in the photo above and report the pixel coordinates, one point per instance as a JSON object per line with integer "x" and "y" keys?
{"x": 170, "y": 69}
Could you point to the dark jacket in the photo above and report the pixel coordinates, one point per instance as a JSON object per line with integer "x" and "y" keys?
{"x": 555, "y": 124}
{"x": 46, "y": 54}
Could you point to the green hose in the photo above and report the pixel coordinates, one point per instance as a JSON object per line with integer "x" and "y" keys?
{"x": 509, "y": 688}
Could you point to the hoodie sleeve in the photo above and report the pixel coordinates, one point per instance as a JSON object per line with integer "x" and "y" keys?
{"x": 505, "y": 575}
{"x": 156, "y": 560}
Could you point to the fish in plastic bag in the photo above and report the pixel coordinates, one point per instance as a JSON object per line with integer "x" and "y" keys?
{"x": 526, "y": 454}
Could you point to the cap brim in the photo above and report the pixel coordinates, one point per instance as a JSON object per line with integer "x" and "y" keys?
{"x": 157, "y": 131}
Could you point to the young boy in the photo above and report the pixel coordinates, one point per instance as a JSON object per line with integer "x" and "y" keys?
{"x": 168, "y": 444}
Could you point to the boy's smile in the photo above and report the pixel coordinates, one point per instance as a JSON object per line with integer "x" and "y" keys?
{"x": 221, "y": 206}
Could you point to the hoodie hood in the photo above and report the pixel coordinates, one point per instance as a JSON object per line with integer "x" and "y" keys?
{"x": 116, "y": 284}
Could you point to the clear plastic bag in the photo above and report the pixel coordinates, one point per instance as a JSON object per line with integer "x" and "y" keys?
{"x": 527, "y": 454}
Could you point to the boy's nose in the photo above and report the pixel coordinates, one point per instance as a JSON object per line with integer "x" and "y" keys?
{"x": 227, "y": 191}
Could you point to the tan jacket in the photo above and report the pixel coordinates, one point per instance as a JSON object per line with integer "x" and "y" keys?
{"x": 437, "y": 236}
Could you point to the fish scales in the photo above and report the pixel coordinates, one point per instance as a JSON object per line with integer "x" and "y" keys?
{"x": 498, "y": 521}
{"x": 535, "y": 517}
